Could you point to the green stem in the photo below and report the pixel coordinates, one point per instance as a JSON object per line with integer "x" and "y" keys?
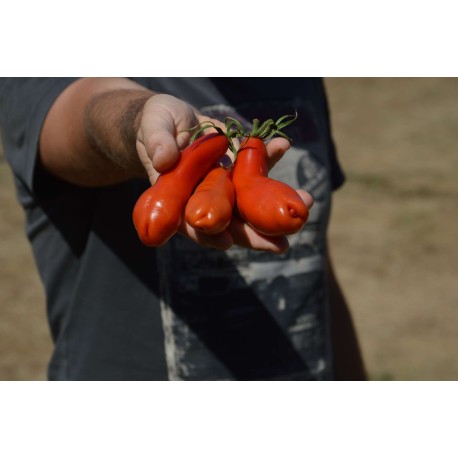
{"x": 270, "y": 127}
{"x": 234, "y": 129}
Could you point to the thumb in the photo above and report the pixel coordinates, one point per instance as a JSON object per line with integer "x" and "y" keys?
{"x": 157, "y": 136}
{"x": 163, "y": 130}
{"x": 276, "y": 148}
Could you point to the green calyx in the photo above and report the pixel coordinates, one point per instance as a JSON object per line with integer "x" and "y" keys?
{"x": 234, "y": 129}
{"x": 270, "y": 128}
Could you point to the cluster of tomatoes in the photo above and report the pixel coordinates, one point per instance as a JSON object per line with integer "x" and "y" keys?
{"x": 208, "y": 193}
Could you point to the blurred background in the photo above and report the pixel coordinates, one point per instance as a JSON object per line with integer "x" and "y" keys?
{"x": 392, "y": 235}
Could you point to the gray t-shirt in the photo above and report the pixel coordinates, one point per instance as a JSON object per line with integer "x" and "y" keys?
{"x": 119, "y": 310}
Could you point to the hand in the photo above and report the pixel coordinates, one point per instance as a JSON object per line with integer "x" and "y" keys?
{"x": 164, "y": 131}
{"x": 240, "y": 233}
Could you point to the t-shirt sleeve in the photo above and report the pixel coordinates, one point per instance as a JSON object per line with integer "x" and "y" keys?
{"x": 24, "y": 104}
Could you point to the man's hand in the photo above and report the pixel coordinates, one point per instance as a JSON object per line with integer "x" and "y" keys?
{"x": 163, "y": 132}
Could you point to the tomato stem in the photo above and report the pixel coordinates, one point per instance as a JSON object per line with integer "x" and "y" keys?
{"x": 234, "y": 129}
{"x": 270, "y": 127}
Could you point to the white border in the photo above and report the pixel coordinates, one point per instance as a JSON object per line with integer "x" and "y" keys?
{"x": 235, "y": 38}
{"x": 228, "y": 419}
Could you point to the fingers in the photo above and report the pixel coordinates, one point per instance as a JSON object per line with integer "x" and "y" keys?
{"x": 221, "y": 241}
{"x": 238, "y": 233}
{"x": 245, "y": 236}
{"x": 276, "y": 148}
{"x": 306, "y": 197}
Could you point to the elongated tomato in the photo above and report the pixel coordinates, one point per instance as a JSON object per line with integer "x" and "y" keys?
{"x": 268, "y": 206}
{"x": 209, "y": 209}
{"x": 158, "y": 212}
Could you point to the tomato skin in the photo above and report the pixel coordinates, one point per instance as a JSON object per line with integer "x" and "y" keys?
{"x": 269, "y": 206}
{"x": 209, "y": 209}
{"x": 157, "y": 214}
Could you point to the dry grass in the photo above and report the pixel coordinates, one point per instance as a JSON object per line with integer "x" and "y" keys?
{"x": 394, "y": 224}
{"x": 393, "y": 232}
{"x": 25, "y": 343}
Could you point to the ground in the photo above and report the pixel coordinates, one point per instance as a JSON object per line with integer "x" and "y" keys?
{"x": 392, "y": 234}
{"x": 394, "y": 224}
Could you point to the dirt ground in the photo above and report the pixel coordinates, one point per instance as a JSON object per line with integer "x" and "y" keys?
{"x": 393, "y": 234}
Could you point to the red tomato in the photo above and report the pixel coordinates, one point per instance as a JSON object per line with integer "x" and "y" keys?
{"x": 158, "y": 212}
{"x": 268, "y": 206}
{"x": 209, "y": 209}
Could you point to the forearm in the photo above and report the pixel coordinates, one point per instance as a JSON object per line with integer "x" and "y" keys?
{"x": 89, "y": 135}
